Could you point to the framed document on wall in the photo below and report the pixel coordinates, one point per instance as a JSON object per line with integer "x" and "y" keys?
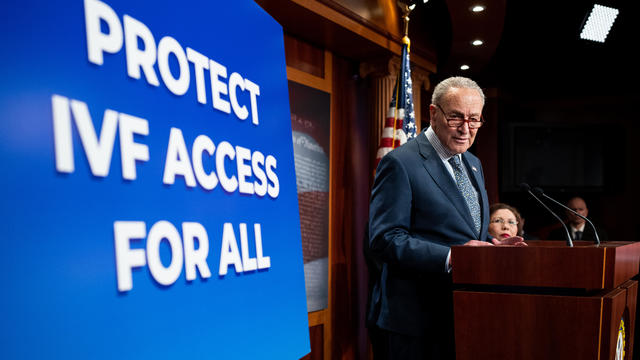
{"x": 311, "y": 125}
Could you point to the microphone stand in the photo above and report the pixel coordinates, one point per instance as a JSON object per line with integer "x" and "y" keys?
{"x": 540, "y": 192}
{"x": 527, "y": 188}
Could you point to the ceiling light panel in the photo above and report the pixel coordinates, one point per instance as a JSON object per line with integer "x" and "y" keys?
{"x": 597, "y": 26}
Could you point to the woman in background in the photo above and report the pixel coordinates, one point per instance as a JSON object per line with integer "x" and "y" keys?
{"x": 503, "y": 221}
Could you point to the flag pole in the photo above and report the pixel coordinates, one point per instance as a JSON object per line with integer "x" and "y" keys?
{"x": 399, "y": 124}
{"x": 406, "y": 10}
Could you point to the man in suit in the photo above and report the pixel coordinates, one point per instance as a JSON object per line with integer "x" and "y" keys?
{"x": 576, "y": 224}
{"x": 428, "y": 195}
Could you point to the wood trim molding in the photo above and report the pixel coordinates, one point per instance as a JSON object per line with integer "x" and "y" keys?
{"x": 393, "y": 12}
{"x": 313, "y": 81}
{"x": 384, "y": 40}
{"x": 328, "y": 77}
{"x": 385, "y": 67}
{"x": 390, "y": 67}
{"x": 317, "y": 317}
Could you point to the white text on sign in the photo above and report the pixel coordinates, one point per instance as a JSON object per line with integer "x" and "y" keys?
{"x": 98, "y": 147}
{"x": 183, "y": 251}
{"x": 134, "y": 31}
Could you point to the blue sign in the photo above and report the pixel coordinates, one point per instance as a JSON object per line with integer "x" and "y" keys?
{"x": 149, "y": 205}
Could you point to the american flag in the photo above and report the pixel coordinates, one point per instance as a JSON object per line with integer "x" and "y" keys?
{"x": 400, "y": 124}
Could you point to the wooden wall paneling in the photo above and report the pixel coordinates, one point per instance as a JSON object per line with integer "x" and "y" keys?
{"x": 341, "y": 251}
{"x": 384, "y": 16}
{"x": 328, "y": 77}
{"x": 316, "y": 337}
{"x": 313, "y": 81}
{"x": 297, "y": 55}
{"x": 341, "y": 29}
{"x": 347, "y": 20}
{"x": 351, "y": 142}
{"x": 338, "y": 203}
{"x": 380, "y": 76}
{"x": 344, "y": 333}
{"x": 304, "y": 57}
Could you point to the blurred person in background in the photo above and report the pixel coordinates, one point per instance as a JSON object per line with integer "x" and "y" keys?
{"x": 576, "y": 224}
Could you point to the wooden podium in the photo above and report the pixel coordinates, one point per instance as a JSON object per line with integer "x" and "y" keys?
{"x": 545, "y": 301}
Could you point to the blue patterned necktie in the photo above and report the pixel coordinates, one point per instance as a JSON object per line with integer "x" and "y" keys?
{"x": 466, "y": 189}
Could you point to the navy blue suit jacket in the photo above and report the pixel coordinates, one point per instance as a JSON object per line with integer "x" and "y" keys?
{"x": 416, "y": 213}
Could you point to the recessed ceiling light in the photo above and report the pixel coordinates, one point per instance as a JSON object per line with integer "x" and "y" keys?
{"x": 597, "y": 26}
{"x": 477, "y": 8}
{"x": 464, "y": 67}
{"x": 477, "y": 42}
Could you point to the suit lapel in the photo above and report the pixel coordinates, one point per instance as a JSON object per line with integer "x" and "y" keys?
{"x": 438, "y": 172}
{"x": 587, "y": 233}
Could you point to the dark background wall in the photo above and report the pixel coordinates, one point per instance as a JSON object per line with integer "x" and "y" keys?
{"x": 584, "y": 94}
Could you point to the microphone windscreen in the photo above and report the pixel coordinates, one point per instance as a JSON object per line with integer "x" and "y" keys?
{"x": 525, "y": 187}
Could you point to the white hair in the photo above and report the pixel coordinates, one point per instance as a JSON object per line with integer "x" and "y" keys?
{"x": 459, "y": 82}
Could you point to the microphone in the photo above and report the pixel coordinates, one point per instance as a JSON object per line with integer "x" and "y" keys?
{"x": 527, "y": 188}
{"x": 539, "y": 192}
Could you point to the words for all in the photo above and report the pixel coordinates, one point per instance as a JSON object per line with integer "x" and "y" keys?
{"x": 183, "y": 251}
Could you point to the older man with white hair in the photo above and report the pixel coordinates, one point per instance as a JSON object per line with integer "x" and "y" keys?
{"x": 428, "y": 195}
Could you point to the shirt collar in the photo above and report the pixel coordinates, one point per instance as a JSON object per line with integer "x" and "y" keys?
{"x": 579, "y": 228}
{"x": 442, "y": 151}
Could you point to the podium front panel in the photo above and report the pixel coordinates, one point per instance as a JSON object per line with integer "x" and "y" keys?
{"x": 501, "y": 325}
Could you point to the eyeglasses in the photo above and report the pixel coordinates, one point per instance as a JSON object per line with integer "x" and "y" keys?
{"x": 502, "y": 222}
{"x": 457, "y": 120}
